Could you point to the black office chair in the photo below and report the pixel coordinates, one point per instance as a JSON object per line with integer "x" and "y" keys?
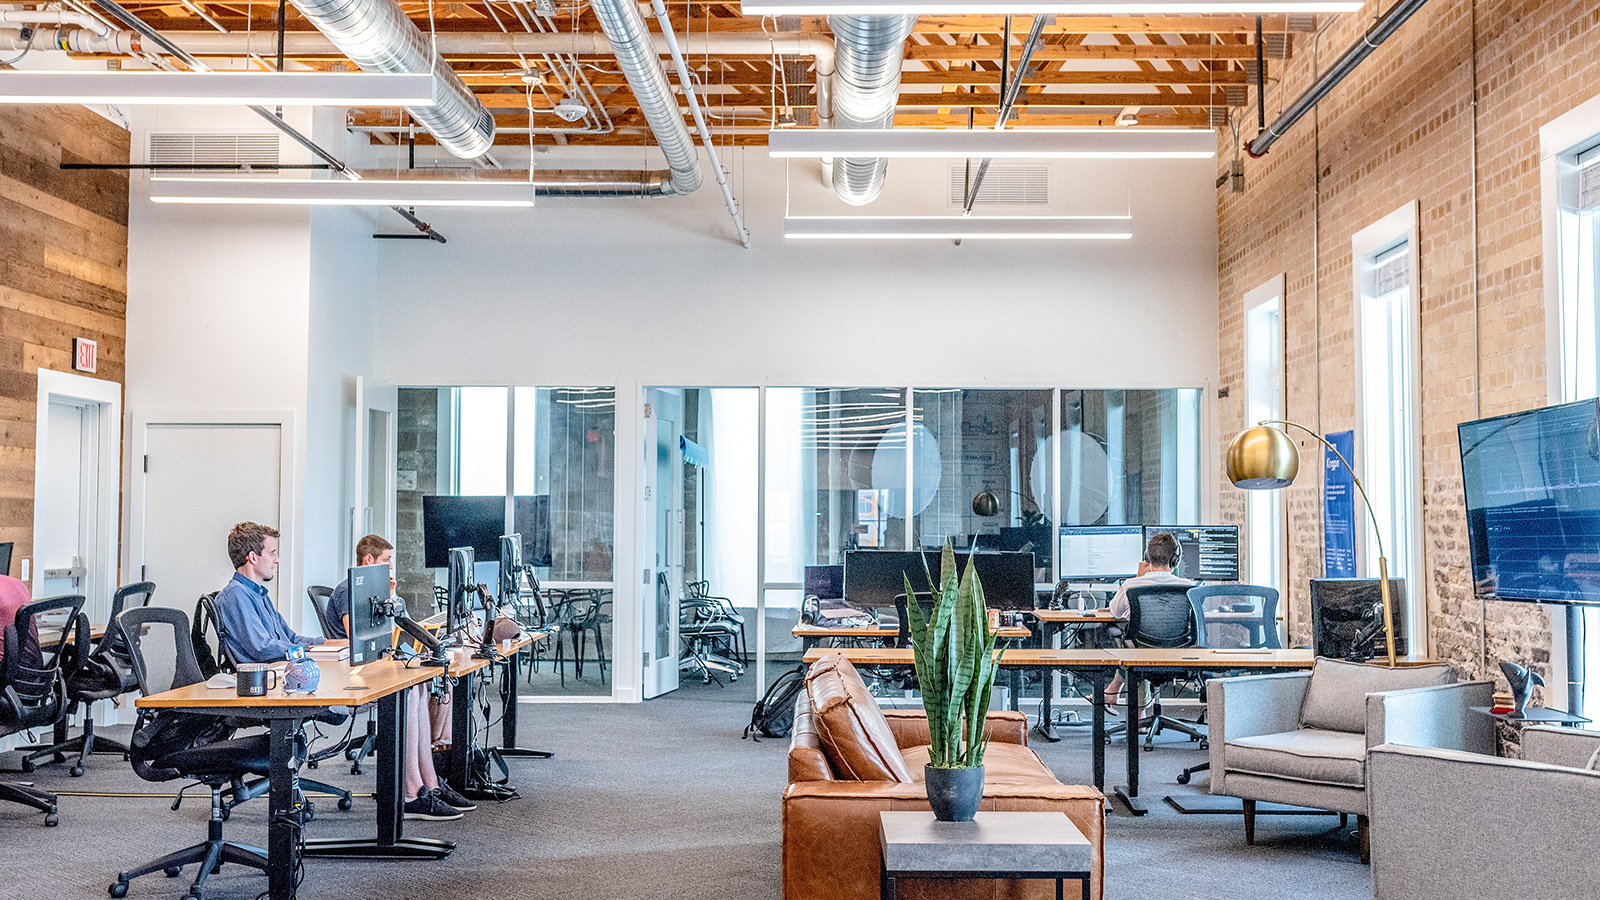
{"x": 701, "y": 590}
{"x": 106, "y": 674}
{"x": 33, "y": 687}
{"x": 1259, "y": 601}
{"x": 330, "y": 624}
{"x": 709, "y": 637}
{"x": 1160, "y": 616}
{"x": 170, "y": 744}
{"x": 207, "y": 623}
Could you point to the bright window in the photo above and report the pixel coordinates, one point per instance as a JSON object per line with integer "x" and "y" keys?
{"x": 1264, "y": 400}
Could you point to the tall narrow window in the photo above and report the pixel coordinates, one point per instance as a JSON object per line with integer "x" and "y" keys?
{"x": 1389, "y": 447}
{"x": 1264, "y": 400}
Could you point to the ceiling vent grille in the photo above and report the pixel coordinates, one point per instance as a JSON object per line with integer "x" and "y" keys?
{"x": 258, "y": 150}
{"x": 1004, "y": 186}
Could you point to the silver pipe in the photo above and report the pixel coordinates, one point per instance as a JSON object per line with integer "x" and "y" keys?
{"x": 637, "y": 57}
{"x": 379, "y": 37}
{"x": 699, "y": 119}
{"x": 866, "y": 75}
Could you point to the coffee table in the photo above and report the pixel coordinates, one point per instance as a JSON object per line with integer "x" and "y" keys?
{"x": 993, "y": 845}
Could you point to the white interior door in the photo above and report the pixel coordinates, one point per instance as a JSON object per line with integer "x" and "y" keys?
{"x": 663, "y": 550}
{"x": 199, "y": 481}
{"x": 65, "y": 544}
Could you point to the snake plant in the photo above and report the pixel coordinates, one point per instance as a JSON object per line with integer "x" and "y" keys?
{"x": 956, "y": 664}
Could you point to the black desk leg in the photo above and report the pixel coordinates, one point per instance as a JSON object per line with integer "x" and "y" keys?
{"x": 1016, "y": 687}
{"x": 1129, "y": 794}
{"x": 1097, "y": 682}
{"x": 508, "y": 721}
{"x": 460, "y": 731}
{"x": 282, "y": 817}
{"x": 390, "y": 842}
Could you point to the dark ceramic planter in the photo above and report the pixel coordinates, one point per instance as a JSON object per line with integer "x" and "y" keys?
{"x": 954, "y": 794}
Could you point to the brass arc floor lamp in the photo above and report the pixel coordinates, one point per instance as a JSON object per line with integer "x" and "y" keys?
{"x": 1265, "y": 458}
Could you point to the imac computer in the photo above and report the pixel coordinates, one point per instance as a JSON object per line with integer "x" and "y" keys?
{"x": 1100, "y": 552}
{"x": 371, "y": 624}
{"x": 1210, "y": 552}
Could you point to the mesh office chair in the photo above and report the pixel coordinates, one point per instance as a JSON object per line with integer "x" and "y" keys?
{"x": 1256, "y": 603}
{"x": 33, "y": 688}
{"x": 319, "y": 595}
{"x": 1160, "y": 616}
{"x": 170, "y": 744}
{"x": 106, "y": 674}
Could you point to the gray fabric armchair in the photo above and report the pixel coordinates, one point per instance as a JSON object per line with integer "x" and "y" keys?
{"x": 1459, "y": 826}
{"x": 1302, "y": 738}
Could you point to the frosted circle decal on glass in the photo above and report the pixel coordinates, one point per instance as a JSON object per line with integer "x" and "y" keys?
{"x": 889, "y": 468}
{"x": 1085, "y": 478}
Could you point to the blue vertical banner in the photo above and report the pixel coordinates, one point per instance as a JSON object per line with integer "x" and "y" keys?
{"x": 1338, "y": 508}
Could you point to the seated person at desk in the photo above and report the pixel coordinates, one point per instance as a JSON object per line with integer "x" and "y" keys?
{"x": 257, "y": 633}
{"x": 373, "y": 550}
{"x": 1161, "y": 556}
{"x": 14, "y": 595}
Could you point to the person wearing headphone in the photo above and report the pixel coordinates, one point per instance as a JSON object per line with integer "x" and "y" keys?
{"x": 1161, "y": 557}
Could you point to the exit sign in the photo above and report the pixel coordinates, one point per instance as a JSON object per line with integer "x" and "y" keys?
{"x": 85, "y": 354}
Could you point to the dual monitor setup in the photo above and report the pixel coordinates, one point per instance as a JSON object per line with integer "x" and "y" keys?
{"x": 1113, "y": 552}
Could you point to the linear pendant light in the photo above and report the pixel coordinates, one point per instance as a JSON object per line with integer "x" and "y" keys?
{"x": 1016, "y": 143}
{"x": 340, "y": 192}
{"x": 959, "y": 228}
{"x": 218, "y": 88}
{"x": 1040, "y": 7}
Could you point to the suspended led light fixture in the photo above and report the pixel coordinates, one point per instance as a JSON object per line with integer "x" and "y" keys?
{"x": 217, "y": 88}
{"x": 1038, "y": 7}
{"x": 1030, "y": 143}
{"x": 340, "y": 192}
{"x": 959, "y": 228}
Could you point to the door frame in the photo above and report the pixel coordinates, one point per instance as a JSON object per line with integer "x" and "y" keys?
{"x": 98, "y": 584}
{"x": 288, "y": 487}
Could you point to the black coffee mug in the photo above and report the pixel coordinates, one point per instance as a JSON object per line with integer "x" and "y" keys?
{"x": 254, "y": 681}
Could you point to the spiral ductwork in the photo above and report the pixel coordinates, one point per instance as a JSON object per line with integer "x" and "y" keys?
{"x": 378, "y": 36}
{"x": 636, "y": 54}
{"x": 866, "y": 84}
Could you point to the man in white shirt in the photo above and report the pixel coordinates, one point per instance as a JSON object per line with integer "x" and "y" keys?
{"x": 1161, "y": 556}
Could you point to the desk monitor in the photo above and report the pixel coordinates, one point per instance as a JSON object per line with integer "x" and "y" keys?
{"x": 460, "y": 591}
{"x": 825, "y": 582}
{"x": 1210, "y": 552}
{"x": 1343, "y": 609}
{"x": 371, "y": 627}
{"x": 873, "y": 578}
{"x": 1100, "y": 552}
{"x": 473, "y": 522}
{"x": 5, "y": 557}
{"x": 510, "y": 567}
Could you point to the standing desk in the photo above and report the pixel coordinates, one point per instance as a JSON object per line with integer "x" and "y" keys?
{"x": 465, "y": 668}
{"x": 813, "y": 635}
{"x": 384, "y": 683}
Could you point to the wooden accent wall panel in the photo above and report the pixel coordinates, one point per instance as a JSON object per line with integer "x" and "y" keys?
{"x": 63, "y": 274}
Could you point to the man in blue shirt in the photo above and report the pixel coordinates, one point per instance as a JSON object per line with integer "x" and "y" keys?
{"x": 257, "y": 633}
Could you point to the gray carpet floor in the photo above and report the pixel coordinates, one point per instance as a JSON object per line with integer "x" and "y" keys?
{"x": 646, "y": 801}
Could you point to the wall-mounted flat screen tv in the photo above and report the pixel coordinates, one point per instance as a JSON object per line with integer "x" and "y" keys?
{"x": 1532, "y": 484}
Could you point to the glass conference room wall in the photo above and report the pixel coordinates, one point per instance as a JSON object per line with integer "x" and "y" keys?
{"x": 553, "y": 449}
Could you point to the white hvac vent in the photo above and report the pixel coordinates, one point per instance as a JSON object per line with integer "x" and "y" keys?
{"x": 258, "y": 150}
{"x": 1003, "y": 185}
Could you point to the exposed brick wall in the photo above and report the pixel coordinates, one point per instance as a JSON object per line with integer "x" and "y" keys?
{"x": 1401, "y": 129}
{"x": 418, "y": 465}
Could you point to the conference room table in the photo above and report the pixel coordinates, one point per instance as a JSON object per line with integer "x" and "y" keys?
{"x": 1097, "y": 667}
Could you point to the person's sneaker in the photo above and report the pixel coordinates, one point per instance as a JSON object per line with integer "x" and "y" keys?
{"x": 427, "y": 805}
{"x": 448, "y": 794}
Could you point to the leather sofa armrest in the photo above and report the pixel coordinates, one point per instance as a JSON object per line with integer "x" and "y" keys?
{"x": 910, "y": 727}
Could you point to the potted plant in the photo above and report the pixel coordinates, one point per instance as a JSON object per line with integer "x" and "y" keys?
{"x": 956, "y": 664}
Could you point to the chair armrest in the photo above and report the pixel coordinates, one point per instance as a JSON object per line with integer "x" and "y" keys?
{"x": 1559, "y": 746}
{"x": 1438, "y": 716}
{"x": 1247, "y": 706}
{"x": 910, "y": 727}
{"x": 1440, "y": 816}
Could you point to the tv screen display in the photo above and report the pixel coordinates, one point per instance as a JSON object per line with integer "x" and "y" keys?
{"x": 475, "y": 522}
{"x": 1532, "y": 485}
{"x": 872, "y": 578}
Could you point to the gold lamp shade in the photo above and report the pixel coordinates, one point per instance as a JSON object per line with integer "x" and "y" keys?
{"x": 986, "y": 504}
{"x": 1263, "y": 458}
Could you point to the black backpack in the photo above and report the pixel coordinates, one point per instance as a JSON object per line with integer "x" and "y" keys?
{"x": 774, "y": 714}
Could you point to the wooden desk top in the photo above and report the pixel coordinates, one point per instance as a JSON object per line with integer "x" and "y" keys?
{"x": 892, "y": 656}
{"x": 462, "y": 662}
{"x": 1084, "y": 616}
{"x": 1183, "y": 658}
{"x": 381, "y": 678}
{"x": 1006, "y": 632}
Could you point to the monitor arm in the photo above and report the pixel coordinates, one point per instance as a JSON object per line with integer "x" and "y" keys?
{"x": 402, "y": 618}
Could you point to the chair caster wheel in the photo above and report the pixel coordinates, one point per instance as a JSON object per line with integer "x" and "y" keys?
{"x": 311, "y": 764}
{"x": 345, "y": 802}
{"x": 51, "y": 820}
{"x": 355, "y": 769}
{"x": 1183, "y": 777}
{"x": 27, "y": 765}
{"x": 120, "y": 889}
{"x": 172, "y": 871}
{"x": 308, "y": 812}
{"x": 76, "y": 771}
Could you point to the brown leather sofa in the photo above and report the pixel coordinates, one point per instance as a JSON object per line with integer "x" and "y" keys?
{"x": 850, "y": 759}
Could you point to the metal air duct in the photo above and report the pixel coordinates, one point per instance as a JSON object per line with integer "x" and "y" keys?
{"x": 866, "y": 84}
{"x": 379, "y": 37}
{"x": 636, "y": 56}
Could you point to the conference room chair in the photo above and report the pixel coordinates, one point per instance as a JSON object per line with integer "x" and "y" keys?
{"x": 1160, "y": 616}
{"x": 105, "y": 675}
{"x": 172, "y": 744}
{"x": 709, "y": 638}
{"x": 208, "y": 625}
{"x": 47, "y": 637}
{"x": 701, "y": 590}
{"x": 1256, "y": 602}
